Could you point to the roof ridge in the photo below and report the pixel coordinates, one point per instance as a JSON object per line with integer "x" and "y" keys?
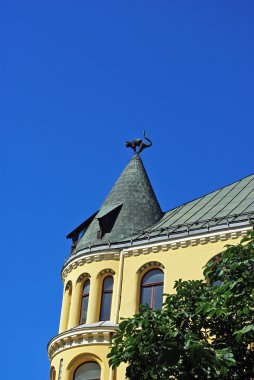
{"x": 171, "y": 213}
{"x": 210, "y": 192}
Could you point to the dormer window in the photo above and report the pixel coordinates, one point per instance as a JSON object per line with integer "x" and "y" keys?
{"x": 77, "y": 234}
{"x": 107, "y": 218}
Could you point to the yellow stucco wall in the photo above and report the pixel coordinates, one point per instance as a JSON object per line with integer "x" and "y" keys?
{"x": 185, "y": 263}
{"x": 94, "y": 270}
{"x": 74, "y": 357}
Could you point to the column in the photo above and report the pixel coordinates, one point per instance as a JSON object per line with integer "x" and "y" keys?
{"x": 65, "y": 310}
{"x": 94, "y": 301}
{"x": 75, "y": 306}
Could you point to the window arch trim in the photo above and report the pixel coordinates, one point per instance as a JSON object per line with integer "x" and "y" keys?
{"x": 215, "y": 260}
{"x": 106, "y": 272}
{"x": 149, "y": 266}
{"x": 52, "y": 373}
{"x": 83, "y": 277}
{"x": 84, "y": 363}
{"x": 68, "y": 286}
{"x": 82, "y": 359}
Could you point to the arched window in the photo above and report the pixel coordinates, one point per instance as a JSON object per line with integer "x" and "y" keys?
{"x": 52, "y": 373}
{"x": 84, "y": 302}
{"x": 88, "y": 371}
{"x": 214, "y": 267}
{"x": 106, "y": 298}
{"x": 152, "y": 289}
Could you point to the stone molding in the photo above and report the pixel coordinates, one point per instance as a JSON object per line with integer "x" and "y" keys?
{"x": 106, "y": 271}
{"x": 87, "y": 259}
{"x": 187, "y": 242}
{"x": 153, "y": 247}
{"x": 80, "y": 337}
{"x": 82, "y": 276}
{"x": 68, "y": 286}
{"x": 156, "y": 264}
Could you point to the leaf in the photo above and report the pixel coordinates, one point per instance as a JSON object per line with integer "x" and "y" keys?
{"x": 184, "y": 376}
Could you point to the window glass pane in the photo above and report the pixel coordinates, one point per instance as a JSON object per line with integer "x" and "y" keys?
{"x": 108, "y": 283}
{"x": 146, "y": 296}
{"x": 105, "y": 306}
{"x": 158, "y": 291}
{"x": 153, "y": 276}
{"x": 88, "y": 371}
{"x": 84, "y": 308}
{"x": 86, "y": 288}
{"x": 152, "y": 289}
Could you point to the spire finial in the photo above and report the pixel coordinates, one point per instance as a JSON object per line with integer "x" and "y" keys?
{"x": 139, "y": 143}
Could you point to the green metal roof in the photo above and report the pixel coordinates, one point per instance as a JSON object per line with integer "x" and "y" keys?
{"x": 131, "y": 212}
{"x": 130, "y": 208}
{"x": 229, "y": 205}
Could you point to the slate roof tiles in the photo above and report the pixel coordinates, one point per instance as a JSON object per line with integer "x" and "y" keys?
{"x": 131, "y": 210}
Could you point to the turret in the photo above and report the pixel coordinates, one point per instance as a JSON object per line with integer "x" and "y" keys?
{"x": 129, "y": 253}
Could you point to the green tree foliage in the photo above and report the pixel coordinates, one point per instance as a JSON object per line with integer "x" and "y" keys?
{"x": 202, "y": 332}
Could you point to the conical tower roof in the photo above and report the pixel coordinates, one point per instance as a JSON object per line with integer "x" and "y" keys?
{"x": 130, "y": 207}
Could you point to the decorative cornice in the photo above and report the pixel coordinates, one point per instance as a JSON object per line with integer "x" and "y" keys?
{"x": 187, "y": 242}
{"x": 87, "y": 259}
{"x": 81, "y": 337}
{"x": 163, "y": 244}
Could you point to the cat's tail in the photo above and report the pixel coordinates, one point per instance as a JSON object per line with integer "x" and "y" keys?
{"x": 150, "y": 142}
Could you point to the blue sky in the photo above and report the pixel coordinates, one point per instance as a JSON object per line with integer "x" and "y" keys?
{"x": 79, "y": 78}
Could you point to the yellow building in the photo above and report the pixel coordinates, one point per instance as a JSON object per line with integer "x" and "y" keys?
{"x": 130, "y": 252}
